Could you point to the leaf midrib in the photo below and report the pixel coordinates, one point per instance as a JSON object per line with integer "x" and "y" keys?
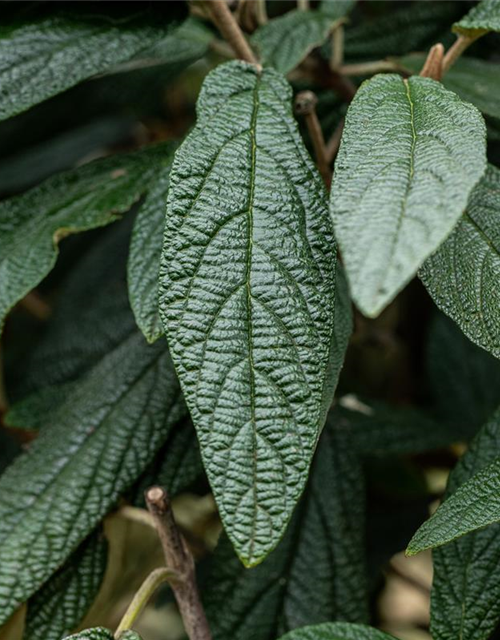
{"x": 248, "y": 274}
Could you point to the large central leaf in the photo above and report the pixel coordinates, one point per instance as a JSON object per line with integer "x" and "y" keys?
{"x": 248, "y": 299}
{"x": 411, "y": 153}
{"x": 318, "y": 571}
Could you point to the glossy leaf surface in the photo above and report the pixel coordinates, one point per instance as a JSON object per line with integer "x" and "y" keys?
{"x": 462, "y": 275}
{"x": 52, "y": 53}
{"x": 32, "y": 224}
{"x": 337, "y": 631}
{"x": 465, "y": 597}
{"x": 482, "y": 18}
{"x": 93, "y": 444}
{"x": 402, "y": 182}
{"x": 144, "y": 259}
{"x": 473, "y": 79}
{"x": 63, "y": 601}
{"x": 248, "y": 300}
{"x": 318, "y": 570}
{"x": 475, "y": 504}
{"x": 98, "y": 633}
{"x": 285, "y": 41}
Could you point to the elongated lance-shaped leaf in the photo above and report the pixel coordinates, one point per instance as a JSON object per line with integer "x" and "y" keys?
{"x": 410, "y": 155}
{"x": 99, "y": 438}
{"x": 32, "y": 224}
{"x": 99, "y": 441}
{"x": 49, "y": 54}
{"x": 63, "y": 601}
{"x": 473, "y": 79}
{"x": 482, "y": 18}
{"x": 248, "y": 300}
{"x": 285, "y": 41}
{"x": 337, "y": 631}
{"x": 144, "y": 260}
{"x": 465, "y": 597}
{"x": 317, "y": 572}
{"x": 462, "y": 276}
{"x": 475, "y": 504}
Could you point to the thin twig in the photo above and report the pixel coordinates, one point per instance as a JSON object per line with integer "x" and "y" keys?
{"x": 142, "y": 597}
{"x": 261, "y": 11}
{"x": 337, "y": 58}
{"x": 179, "y": 560}
{"x": 369, "y": 68}
{"x": 433, "y": 65}
{"x": 332, "y": 146}
{"x": 305, "y": 105}
{"x": 230, "y": 29}
{"x": 457, "y": 48}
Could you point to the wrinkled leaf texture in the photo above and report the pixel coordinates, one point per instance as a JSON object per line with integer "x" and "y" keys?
{"x": 462, "y": 275}
{"x": 402, "y": 182}
{"x": 465, "y": 597}
{"x": 248, "y": 300}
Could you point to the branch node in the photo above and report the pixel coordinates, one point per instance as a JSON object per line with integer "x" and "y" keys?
{"x": 230, "y": 30}
{"x": 180, "y": 563}
{"x": 433, "y": 66}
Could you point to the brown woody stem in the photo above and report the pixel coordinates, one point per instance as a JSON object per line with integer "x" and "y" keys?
{"x": 180, "y": 562}
{"x": 230, "y": 30}
{"x": 305, "y": 105}
{"x": 433, "y": 66}
{"x": 456, "y": 50}
{"x": 332, "y": 146}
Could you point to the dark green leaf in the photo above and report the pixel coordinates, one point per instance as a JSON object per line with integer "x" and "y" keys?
{"x": 336, "y": 9}
{"x": 337, "y": 631}
{"x": 49, "y": 55}
{"x": 144, "y": 260}
{"x": 285, "y": 41}
{"x": 63, "y": 601}
{"x": 248, "y": 300}
{"x": 410, "y": 155}
{"x": 465, "y": 598}
{"x": 98, "y": 633}
{"x": 379, "y": 429}
{"x": 411, "y": 26}
{"x": 32, "y": 224}
{"x": 177, "y": 465}
{"x": 98, "y": 440}
{"x": 473, "y": 79}
{"x": 464, "y": 379}
{"x": 462, "y": 275}
{"x": 317, "y": 572}
{"x": 475, "y": 504}
{"x": 482, "y": 18}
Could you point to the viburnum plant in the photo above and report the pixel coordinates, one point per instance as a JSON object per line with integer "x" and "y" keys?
{"x": 259, "y": 322}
